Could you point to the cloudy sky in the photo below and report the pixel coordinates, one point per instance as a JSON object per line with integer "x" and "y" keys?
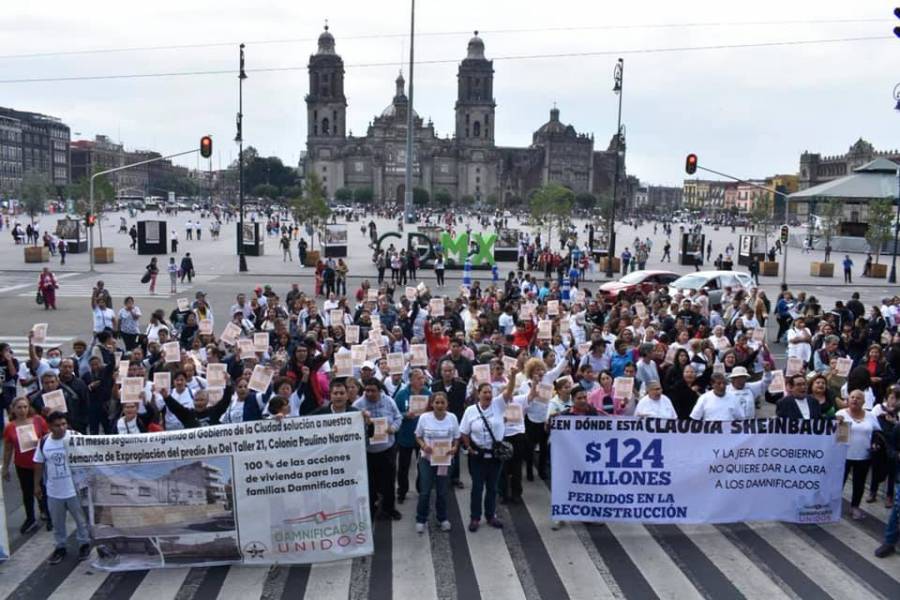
{"x": 746, "y": 111}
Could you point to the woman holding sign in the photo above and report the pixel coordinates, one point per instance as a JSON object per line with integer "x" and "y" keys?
{"x": 862, "y": 425}
{"x": 437, "y": 436}
{"x": 482, "y": 427}
{"x": 20, "y": 438}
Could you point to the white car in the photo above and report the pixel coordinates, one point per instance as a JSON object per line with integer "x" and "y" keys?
{"x": 714, "y": 282}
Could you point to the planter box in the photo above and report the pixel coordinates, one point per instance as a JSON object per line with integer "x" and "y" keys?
{"x": 617, "y": 265}
{"x": 768, "y": 268}
{"x": 37, "y": 254}
{"x": 103, "y": 255}
{"x": 312, "y": 258}
{"x": 821, "y": 269}
{"x": 877, "y": 271}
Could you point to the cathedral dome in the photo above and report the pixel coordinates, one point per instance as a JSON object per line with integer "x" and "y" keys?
{"x": 400, "y": 99}
{"x": 326, "y": 42}
{"x": 554, "y": 125}
{"x": 476, "y": 47}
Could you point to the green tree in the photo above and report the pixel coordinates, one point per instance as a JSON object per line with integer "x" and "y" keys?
{"x": 265, "y": 190}
{"x": 34, "y": 191}
{"x": 551, "y": 204}
{"x": 831, "y": 217}
{"x": 760, "y": 215}
{"x": 492, "y": 200}
{"x": 467, "y": 200}
{"x": 104, "y": 198}
{"x": 420, "y": 196}
{"x": 443, "y": 198}
{"x": 585, "y": 200}
{"x": 363, "y": 195}
{"x": 881, "y": 224}
{"x": 311, "y": 207}
{"x": 344, "y": 195}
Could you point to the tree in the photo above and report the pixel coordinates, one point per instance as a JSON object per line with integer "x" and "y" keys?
{"x": 881, "y": 224}
{"x": 467, "y": 200}
{"x": 34, "y": 191}
{"x": 759, "y": 215}
{"x": 443, "y": 198}
{"x": 104, "y": 198}
{"x": 311, "y": 207}
{"x": 551, "y": 204}
{"x": 265, "y": 190}
{"x": 585, "y": 200}
{"x": 344, "y": 195}
{"x": 363, "y": 195}
{"x": 831, "y": 218}
{"x": 420, "y": 196}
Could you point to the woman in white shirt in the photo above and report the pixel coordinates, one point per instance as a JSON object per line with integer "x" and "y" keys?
{"x": 655, "y": 404}
{"x": 482, "y": 425}
{"x": 798, "y": 338}
{"x": 436, "y": 428}
{"x": 862, "y": 425}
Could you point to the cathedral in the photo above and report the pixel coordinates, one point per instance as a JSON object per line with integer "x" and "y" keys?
{"x": 468, "y": 164}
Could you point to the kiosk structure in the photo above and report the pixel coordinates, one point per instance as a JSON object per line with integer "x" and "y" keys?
{"x": 152, "y": 237}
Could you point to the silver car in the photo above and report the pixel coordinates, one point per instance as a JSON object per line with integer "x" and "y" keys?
{"x": 714, "y": 282}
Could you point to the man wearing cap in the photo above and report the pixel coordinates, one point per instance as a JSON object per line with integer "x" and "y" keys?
{"x": 717, "y": 404}
{"x": 748, "y": 393}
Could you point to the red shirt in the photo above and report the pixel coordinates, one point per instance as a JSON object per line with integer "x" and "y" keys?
{"x": 25, "y": 459}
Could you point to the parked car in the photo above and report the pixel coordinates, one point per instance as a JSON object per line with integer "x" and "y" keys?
{"x": 638, "y": 282}
{"x": 714, "y": 282}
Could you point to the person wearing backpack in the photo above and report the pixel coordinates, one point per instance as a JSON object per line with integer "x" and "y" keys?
{"x": 61, "y": 494}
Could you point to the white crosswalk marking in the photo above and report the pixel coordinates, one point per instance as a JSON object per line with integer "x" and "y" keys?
{"x": 80, "y": 584}
{"x": 19, "y": 343}
{"x": 161, "y": 584}
{"x": 329, "y": 581}
{"x": 243, "y": 582}
{"x": 31, "y": 555}
{"x": 12, "y": 283}
{"x": 413, "y": 551}
{"x": 862, "y": 545}
{"x": 120, "y": 287}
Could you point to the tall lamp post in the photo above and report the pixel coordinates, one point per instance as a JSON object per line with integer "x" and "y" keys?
{"x": 410, "y": 122}
{"x": 239, "y": 138}
{"x": 893, "y": 276}
{"x": 611, "y": 246}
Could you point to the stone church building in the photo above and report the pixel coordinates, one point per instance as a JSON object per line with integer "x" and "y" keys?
{"x": 468, "y": 163}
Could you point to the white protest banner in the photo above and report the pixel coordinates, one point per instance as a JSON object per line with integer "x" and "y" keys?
{"x": 794, "y": 365}
{"x": 418, "y": 404}
{"x": 215, "y": 375}
{"x": 351, "y": 333}
{"x": 436, "y": 307}
{"x": 256, "y": 493}
{"x": 39, "y": 334}
{"x": 545, "y": 329}
{"x": 261, "y": 378}
{"x": 231, "y": 334}
{"x": 481, "y": 373}
{"x": 418, "y": 355}
{"x": 162, "y": 380}
{"x": 396, "y": 362}
{"x": 261, "y": 342}
{"x": 172, "y": 351}
{"x": 777, "y": 385}
{"x": 667, "y": 471}
{"x": 843, "y": 366}
{"x": 206, "y": 327}
{"x": 55, "y": 401}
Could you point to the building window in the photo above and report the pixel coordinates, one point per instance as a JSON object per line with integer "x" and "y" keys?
{"x": 144, "y": 491}
{"x": 478, "y": 180}
{"x": 325, "y": 126}
{"x": 476, "y": 129}
{"x": 116, "y": 490}
{"x": 324, "y": 168}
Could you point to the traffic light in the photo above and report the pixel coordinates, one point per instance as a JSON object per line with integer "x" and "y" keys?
{"x": 690, "y": 164}
{"x": 89, "y": 220}
{"x": 897, "y": 14}
{"x": 206, "y": 146}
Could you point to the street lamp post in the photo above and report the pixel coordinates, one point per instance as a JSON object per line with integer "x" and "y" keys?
{"x": 611, "y": 245}
{"x": 239, "y": 138}
{"x": 410, "y": 122}
{"x": 893, "y": 276}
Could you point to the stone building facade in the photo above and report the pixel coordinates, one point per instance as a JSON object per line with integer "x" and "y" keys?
{"x": 816, "y": 169}
{"x": 43, "y": 143}
{"x": 468, "y": 164}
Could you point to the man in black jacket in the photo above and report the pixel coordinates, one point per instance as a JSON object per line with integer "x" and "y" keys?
{"x": 187, "y": 267}
{"x": 796, "y": 404}
{"x": 892, "y": 531}
{"x": 68, "y": 378}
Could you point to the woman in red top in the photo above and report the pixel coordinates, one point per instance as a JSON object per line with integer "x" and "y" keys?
{"x": 20, "y": 438}
{"x": 47, "y": 286}
{"x": 437, "y": 341}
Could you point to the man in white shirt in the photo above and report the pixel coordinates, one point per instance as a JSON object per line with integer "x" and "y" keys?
{"x": 655, "y": 403}
{"x": 747, "y": 393}
{"x": 104, "y": 317}
{"x": 717, "y": 404}
{"x": 61, "y": 493}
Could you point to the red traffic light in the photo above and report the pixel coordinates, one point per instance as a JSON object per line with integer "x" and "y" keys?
{"x": 690, "y": 164}
{"x": 206, "y": 146}
{"x": 89, "y": 220}
{"x": 897, "y": 14}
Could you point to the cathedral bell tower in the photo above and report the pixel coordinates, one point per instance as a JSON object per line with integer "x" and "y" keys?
{"x": 475, "y": 97}
{"x": 326, "y": 105}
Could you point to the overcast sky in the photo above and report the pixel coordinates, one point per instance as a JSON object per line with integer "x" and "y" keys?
{"x": 750, "y": 111}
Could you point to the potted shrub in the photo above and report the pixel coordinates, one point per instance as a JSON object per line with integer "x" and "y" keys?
{"x": 831, "y": 220}
{"x": 34, "y": 190}
{"x": 879, "y": 231}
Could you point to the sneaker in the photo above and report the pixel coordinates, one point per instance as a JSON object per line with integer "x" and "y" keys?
{"x": 555, "y": 525}
{"x": 885, "y": 550}
{"x": 473, "y": 525}
{"x": 495, "y": 523}
{"x": 420, "y": 527}
{"x": 458, "y": 484}
{"x": 57, "y": 557}
{"x": 857, "y": 515}
{"x": 445, "y": 525}
{"x": 28, "y": 526}
{"x": 84, "y": 551}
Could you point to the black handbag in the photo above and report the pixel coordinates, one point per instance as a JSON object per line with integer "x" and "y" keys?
{"x": 502, "y": 450}
{"x": 39, "y": 298}
{"x": 146, "y": 276}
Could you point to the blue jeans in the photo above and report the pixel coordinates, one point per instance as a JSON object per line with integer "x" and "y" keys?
{"x": 485, "y": 474}
{"x": 428, "y": 478}
{"x": 58, "y": 508}
{"x": 892, "y": 531}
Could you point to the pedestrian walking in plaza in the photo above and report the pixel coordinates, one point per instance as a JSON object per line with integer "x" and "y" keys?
{"x": 867, "y": 267}
{"x": 187, "y": 267}
{"x": 61, "y": 496}
{"x": 152, "y": 271}
{"x": 341, "y": 270}
{"x": 189, "y": 230}
{"x": 174, "y": 238}
{"x": 754, "y": 271}
{"x": 199, "y": 229}
{"x": 438, "y": 269}
{"x": 286, "y": 248}
{"x": 133, "y": 234}
{"x": 63, "y": 250}
{"x": 21, "y": 454}
{"x": 827, "y": 252}
{"x": 667, "y": 249}
{"x": 47, "y": 286}
{"x": 301, "y": 252}
{"x": 848, "y": 266}
{"x": 173, "y": 276}
{"x": 708, "y": 250}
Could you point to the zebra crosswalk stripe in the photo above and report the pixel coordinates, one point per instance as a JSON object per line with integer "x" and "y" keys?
{"x": 243, "y": 582}
{"x": 413, "y": 551}
{"x": 19, "y": 343}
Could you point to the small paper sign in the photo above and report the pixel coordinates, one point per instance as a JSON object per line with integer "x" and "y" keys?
{"x": 121, "y": 371}
{"x": 336, "y": 317}
{"x": 421, "y": 288}
{"x": 418, "y": 404}
{"x": 411, "y": 294}
{"x": 623, "y": 387}
{"x": 55, "y": 401}
{"x": 162, "y": 380}
{"x": 131, "y": 389}
{"x": 343, "y": 364}
{"x": 776, "y": 386}
{"x": 261, "y": 342}
{"x": 508, "y": 364}
{"x": 544, "y": 392}
{"x": 172, "y": 351}
{"x": 261, "y": 378}
{"x": 584, "y": 348}
{"x": 436, "y": 307}
{"x": 372, "y": 295}
{"x": 27, "y": 437}
{"x": 358, "y": 354}
{"x": 719, "y": 368}
{"x": 564, "y": 326}
{"x": 759, "y": 334}
{"x": 231, "y": 334}
{"x": 373, "y": 350}
{"x": 214, "y": 395}
{"x": 351, "y": 333}
{"x": 246, "y": 347}
{"x": 843, "y": 366}
{"x": 794, "y": 365}
{"x": 206, "y": 327}
{"x": 640, "y": 309}
{"x": 481, "y": 373}
{"x": 722, "y": 343}
{"x": 553, "y": 308}
{"x": 545, "y": 329}
{"x": 395, "y": 362}
{"x": 183, "y": 304}
{"x": 440, "y": 453}
{"x": 375, "y": 337}
{"x": 670, "y": 355}
{"x": 39, "y": 334}
{"x": 464, "y": 291}
{"x": 215, "y": 375}
{"x": 418, "y": 355}
{"x": 380, "y": 435}
{"x": 843, "y": 432}
{"x": 512, "y": 414}
{"x": 375, "y": 320}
